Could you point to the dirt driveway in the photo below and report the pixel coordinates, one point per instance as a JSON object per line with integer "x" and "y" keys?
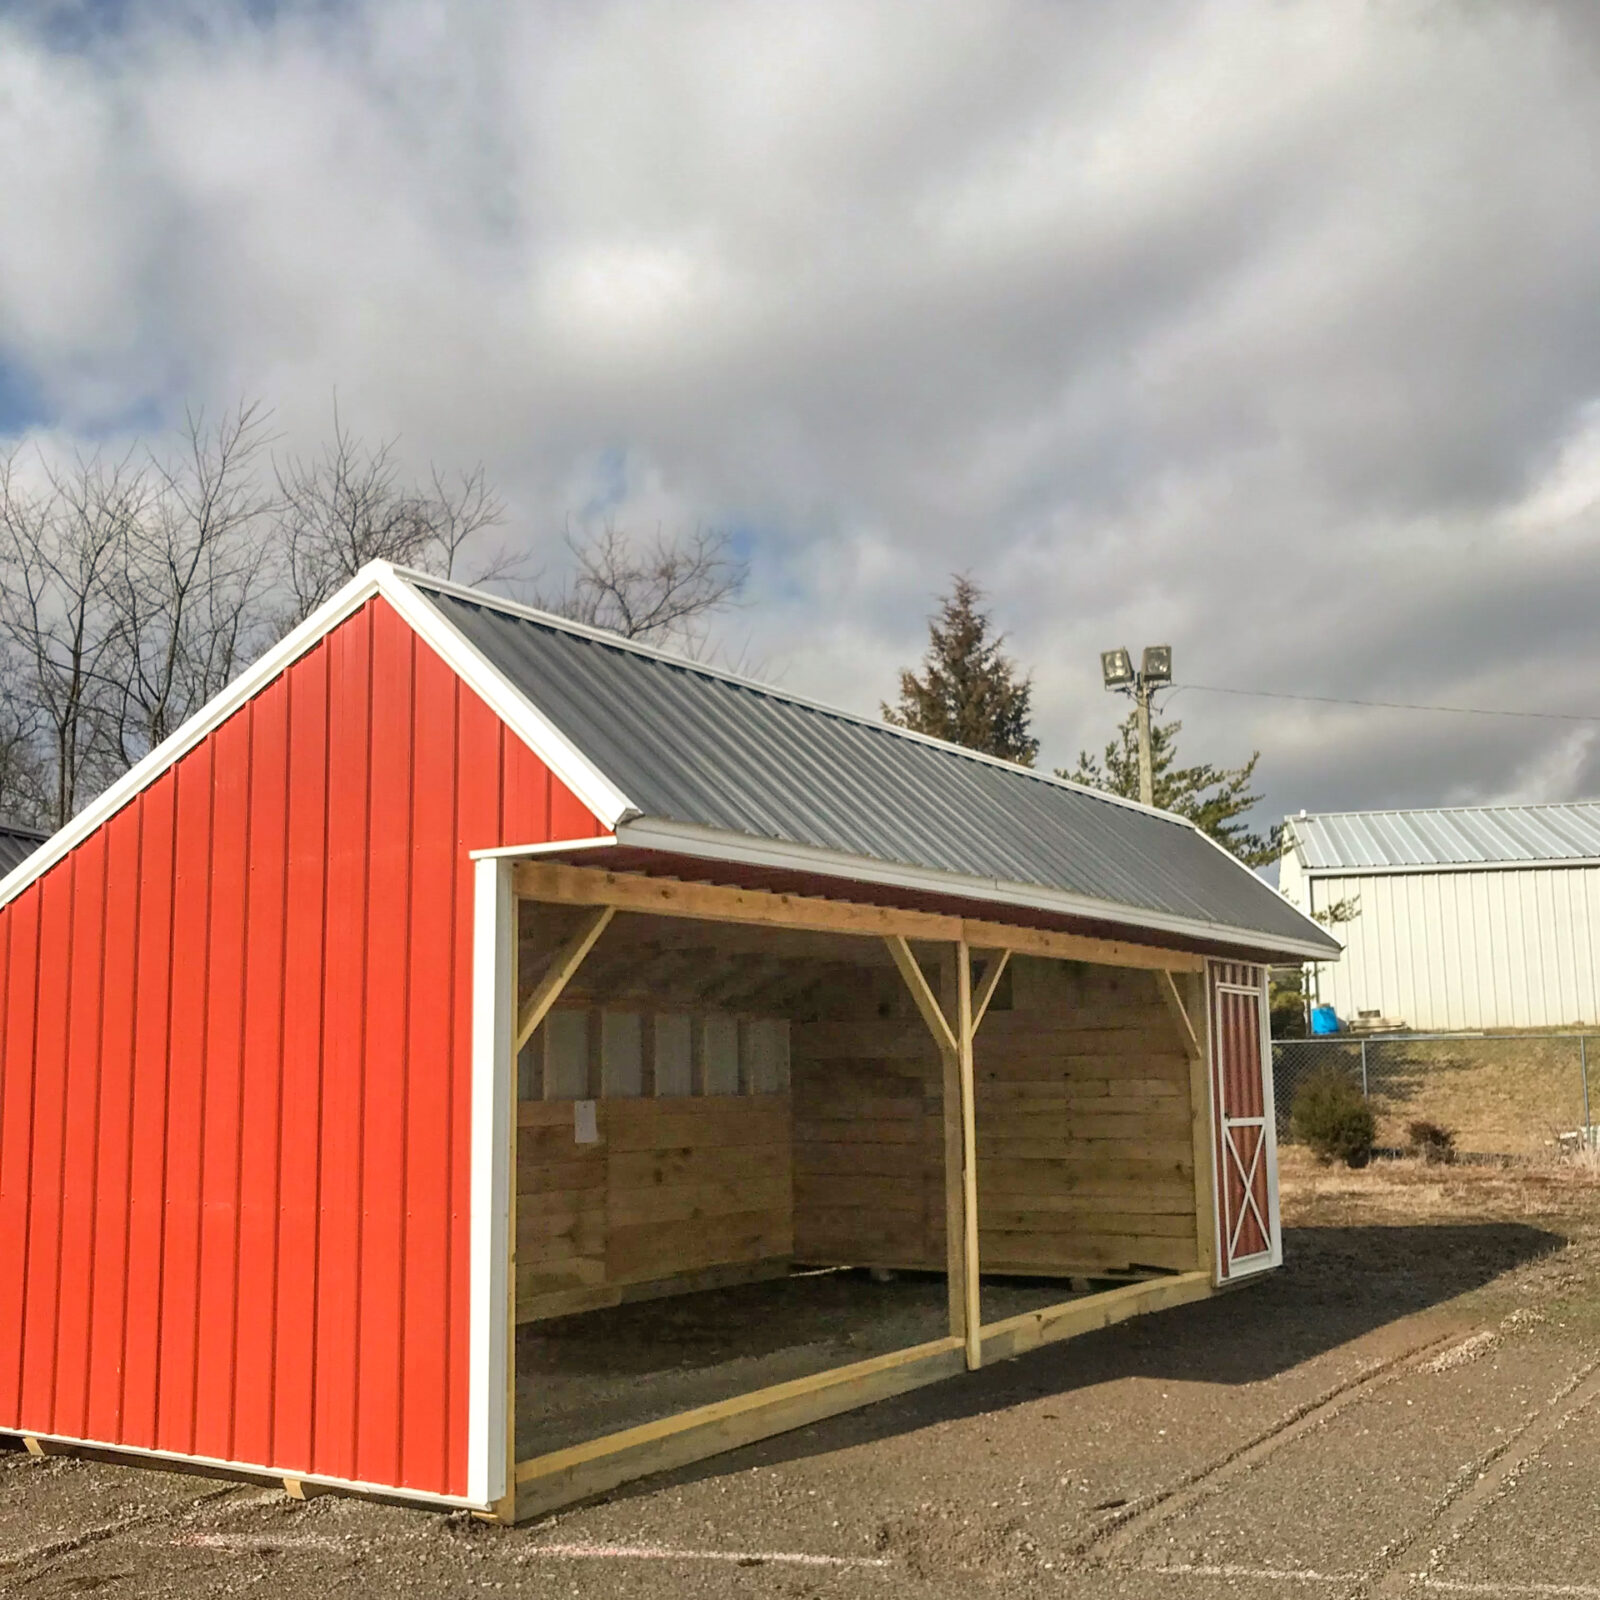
{"x": 1411, "y": 1407}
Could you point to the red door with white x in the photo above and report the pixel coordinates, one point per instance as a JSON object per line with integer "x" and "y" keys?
{"x": 1245, "y": 1150}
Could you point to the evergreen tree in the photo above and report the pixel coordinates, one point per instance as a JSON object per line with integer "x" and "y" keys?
{"x": 1213, "y": 798}
{"x": 968, "y": 692}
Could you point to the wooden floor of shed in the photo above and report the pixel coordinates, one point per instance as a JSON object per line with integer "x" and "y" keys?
{"x": 583, "y": 1376}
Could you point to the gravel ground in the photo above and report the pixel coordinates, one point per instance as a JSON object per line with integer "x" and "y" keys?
{"x": 1410, "y": 1407}
{"x": 602, "y": 1371}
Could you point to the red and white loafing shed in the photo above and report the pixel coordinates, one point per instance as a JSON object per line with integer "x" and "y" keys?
{"x": 257, "y": 1005}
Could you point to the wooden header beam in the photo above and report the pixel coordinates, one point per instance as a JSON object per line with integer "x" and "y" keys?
{"x": 1077, "y": 947}
{"x": 556, "y": 883}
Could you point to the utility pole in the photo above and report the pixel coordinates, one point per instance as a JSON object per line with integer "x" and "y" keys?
{"x": 1153, "y": 672}
{"x": 1147, "y": 782}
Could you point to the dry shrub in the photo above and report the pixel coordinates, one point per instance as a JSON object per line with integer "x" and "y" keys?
{"x": 1331, "y": 1116}
{"x": 1432, "y": 1141}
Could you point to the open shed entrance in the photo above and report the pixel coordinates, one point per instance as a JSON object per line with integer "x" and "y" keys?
{"x": 765, "y": 1173}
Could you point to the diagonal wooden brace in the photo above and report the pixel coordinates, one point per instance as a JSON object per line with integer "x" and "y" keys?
{"x": 563, "y": 965}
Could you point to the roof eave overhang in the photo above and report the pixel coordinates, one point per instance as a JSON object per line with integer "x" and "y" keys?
{"x": 1390, "y": 869}
{"x": 648, "y": 837}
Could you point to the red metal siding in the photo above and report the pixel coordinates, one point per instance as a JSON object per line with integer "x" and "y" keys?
{"x": 234, "y": 1096}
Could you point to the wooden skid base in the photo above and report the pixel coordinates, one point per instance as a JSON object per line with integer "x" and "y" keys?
{"x": 546, "y": 1483}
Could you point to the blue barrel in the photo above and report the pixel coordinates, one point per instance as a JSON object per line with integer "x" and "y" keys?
{"x": 1324, "y": 1019}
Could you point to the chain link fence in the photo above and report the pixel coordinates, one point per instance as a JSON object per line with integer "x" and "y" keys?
{"x": 1500, "y": 1094}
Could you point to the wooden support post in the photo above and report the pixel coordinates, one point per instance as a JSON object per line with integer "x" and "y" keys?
{"x": 1198, "y": 1013}
{"x": 954, "y": 1037}
{"x": 563, "y": 965}
{"x": 955, "y": 1211}
{"x": 963, "y": 1323}
{"x": 299, "y": 1489}
{"x": 969, "y": 1156}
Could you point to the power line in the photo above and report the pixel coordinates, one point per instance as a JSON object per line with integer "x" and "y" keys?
{"x": 1387, "y": 705}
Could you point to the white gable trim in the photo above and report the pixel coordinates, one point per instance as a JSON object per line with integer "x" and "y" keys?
{"x": 597, "y": 793}
{"x": 580, "y": 775}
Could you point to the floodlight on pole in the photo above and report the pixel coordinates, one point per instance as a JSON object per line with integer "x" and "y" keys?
{"x": 1154, "y": 672}
{"x": 1156, "y": 667}
{"x": 1116, "y": 666}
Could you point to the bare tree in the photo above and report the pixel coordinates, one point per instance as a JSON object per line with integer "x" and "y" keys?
{"x": 349, "y": 505}
{"x": 24, "y": 782}
{"x": 132, "y": 591}
{"x": 660, "y": 590}
{"x": 187, "y": 587}
{"x": 60, "y": 546}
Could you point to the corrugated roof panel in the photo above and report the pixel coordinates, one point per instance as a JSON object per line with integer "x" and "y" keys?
{"x": 693, "y": 746}
{"x": 1447, "y": 836}
{"x": 16, "y": 845}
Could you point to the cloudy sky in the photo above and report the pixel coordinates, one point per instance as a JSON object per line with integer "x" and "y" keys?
{"x": 1270, "y": 330}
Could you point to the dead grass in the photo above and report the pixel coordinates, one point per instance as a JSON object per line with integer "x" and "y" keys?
{"x": 1411, "y": 1192}
{"x": 1502, "y": 1094}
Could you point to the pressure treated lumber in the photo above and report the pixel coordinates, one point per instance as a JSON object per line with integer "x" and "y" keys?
{"x": 558, "y": 975}
{"x": 563, "y": 1476}
{"x": 1015, "y": 1335}
{"x": 545, "y": 1483}
{"x": 921, "y": 995}
{"x": 557, "y": 883}
{"x": 671, "y": 897}
{"x": 965, "y": 1028}
{"x": 1076, "y": 947}
{"x": 1168, "y": 986}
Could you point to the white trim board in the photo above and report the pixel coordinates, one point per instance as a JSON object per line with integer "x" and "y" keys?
{"x": 680, "y": 838}
{"x": 488, "y": 1339}
{"x": 1389, "y": 870}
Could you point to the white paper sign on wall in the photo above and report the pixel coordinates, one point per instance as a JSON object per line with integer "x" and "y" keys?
{"x": 585, "y": 1126}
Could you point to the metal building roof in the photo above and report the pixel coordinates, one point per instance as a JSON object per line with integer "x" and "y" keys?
{"x": 691, "y": 746}
{"x": 1356, "y": 841}
{"x": 16, "y": 845}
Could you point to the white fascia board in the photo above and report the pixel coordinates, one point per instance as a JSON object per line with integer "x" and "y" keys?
{"x": 1388, "y": 870}
{"x": 591, "y": 786}
{"x": 209, "y": 717}
{"x": 550, "y": 847}
{"x": 679, "y": 838}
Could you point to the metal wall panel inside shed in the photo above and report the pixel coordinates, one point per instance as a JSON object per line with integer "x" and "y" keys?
{"x": 1463, "y": 949}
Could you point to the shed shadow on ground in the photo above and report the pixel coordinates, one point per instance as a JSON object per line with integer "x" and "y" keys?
{"x": 1336, "y": 1285}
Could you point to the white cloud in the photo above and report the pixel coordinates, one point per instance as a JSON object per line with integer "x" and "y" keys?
{"x": 1270, "y": 330}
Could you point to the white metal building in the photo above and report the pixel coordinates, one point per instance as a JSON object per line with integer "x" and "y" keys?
{"x": 1468, "y": 917}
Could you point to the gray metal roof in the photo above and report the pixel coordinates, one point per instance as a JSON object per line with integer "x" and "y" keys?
{"x": 16, "y": 845}
{"x": 690, "y": 745}
{"x": 1448, "y": 836}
